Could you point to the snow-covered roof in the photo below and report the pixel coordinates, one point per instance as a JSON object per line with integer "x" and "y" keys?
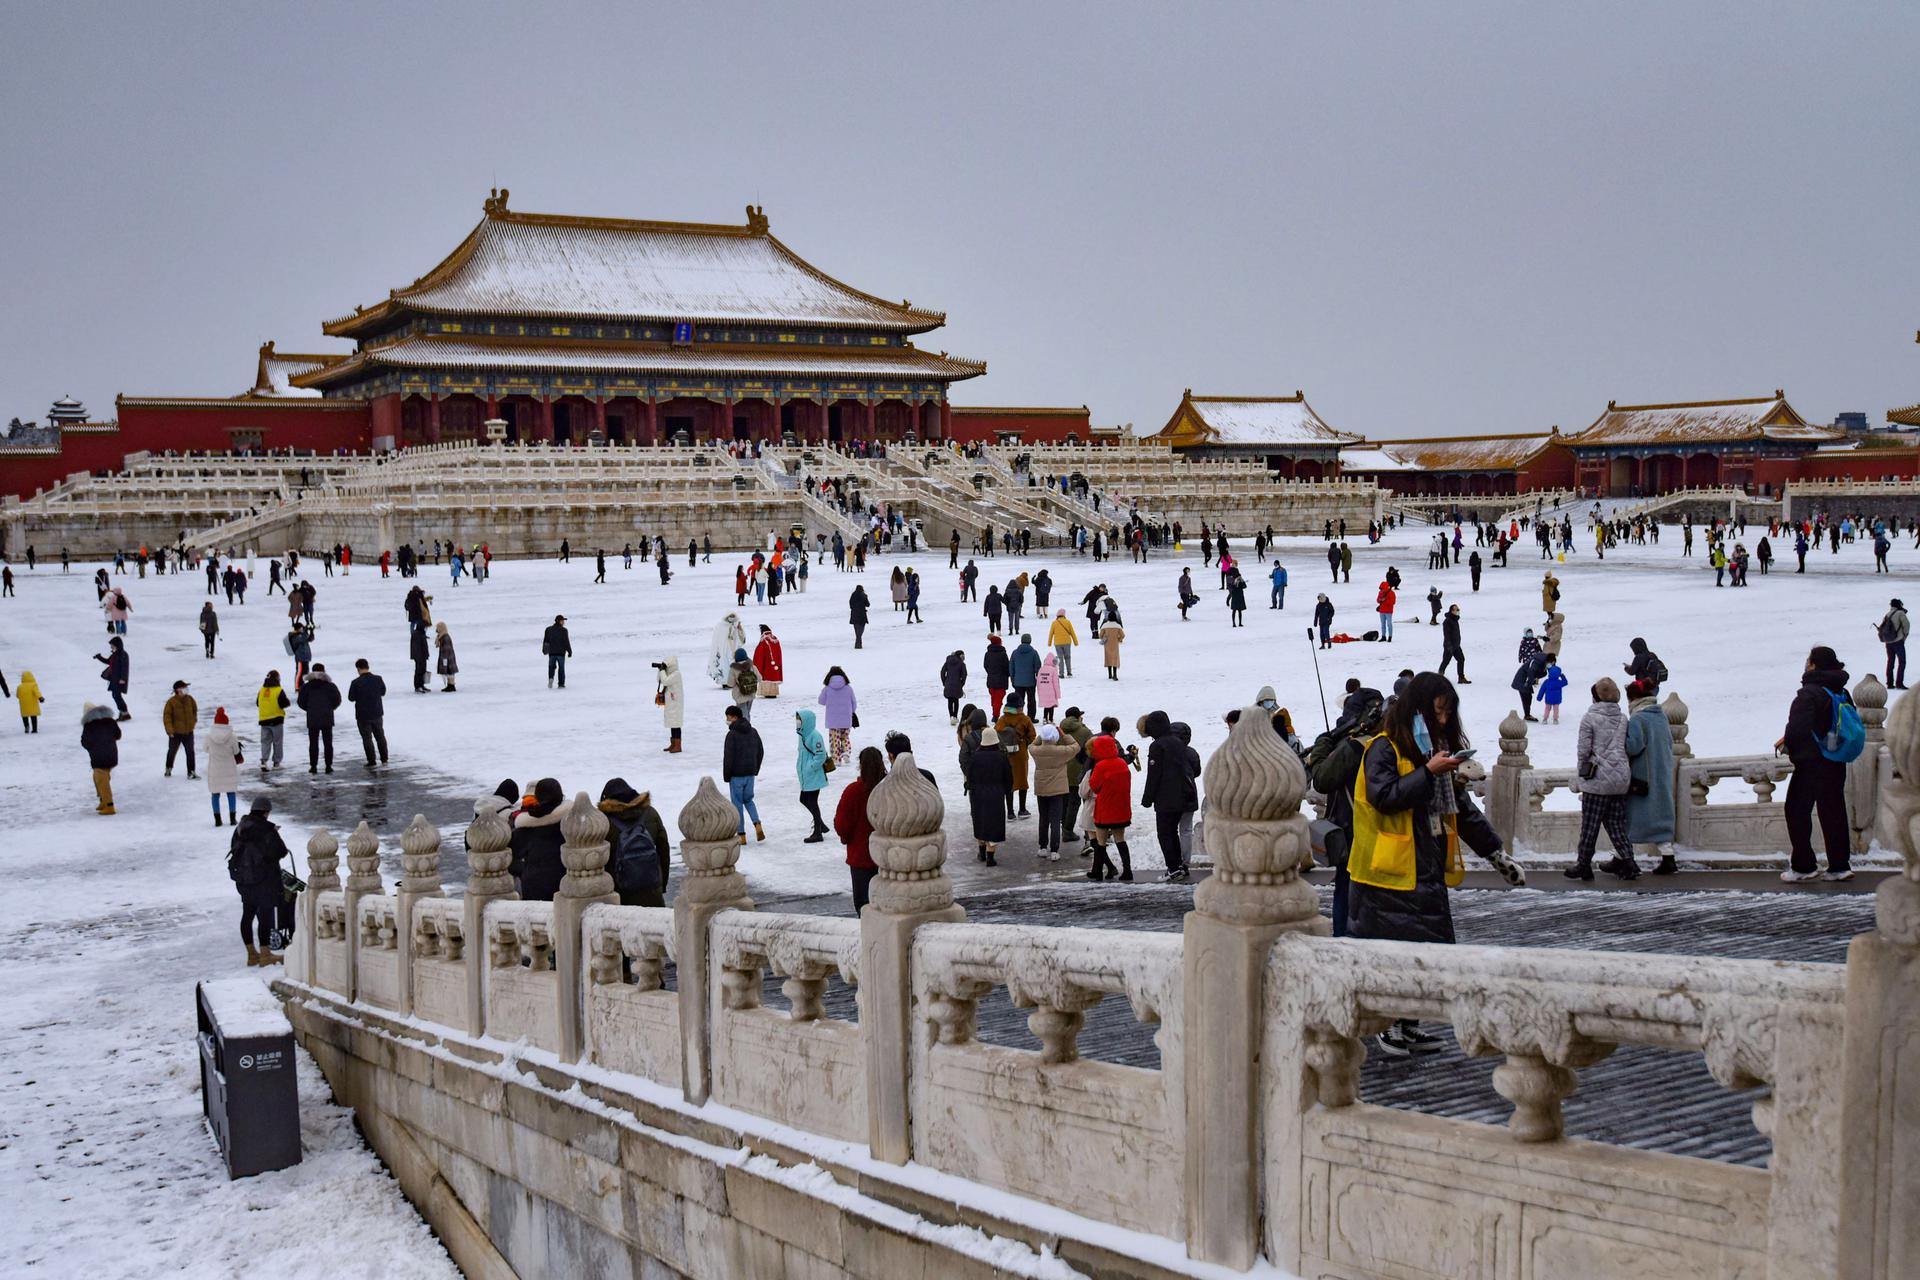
{"x": 442, "y": 353}
{"x": 1702, "y": 422}
{"x": 278, "y": 368}
{"x": 1237, "y": 420}
{"x": 1448, "y": 453}
{"x": 529, "y": 264}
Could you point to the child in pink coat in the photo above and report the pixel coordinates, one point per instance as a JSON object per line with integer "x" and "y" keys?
{"x": 1047, "y": 686}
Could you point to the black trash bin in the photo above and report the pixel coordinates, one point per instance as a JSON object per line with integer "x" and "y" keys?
{"x": 247, "y": 1079}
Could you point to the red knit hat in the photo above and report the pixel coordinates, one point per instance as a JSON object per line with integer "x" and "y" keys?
{"x": 220, "y": 715}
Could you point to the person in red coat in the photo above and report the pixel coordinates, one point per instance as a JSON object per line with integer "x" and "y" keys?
{"x": 1109, "y": 784}
{"x": 740, "y": 584}
{"x": 766, "y": 660}
{"x": 1383, "y": 605}
{"x": 851, "y": 824}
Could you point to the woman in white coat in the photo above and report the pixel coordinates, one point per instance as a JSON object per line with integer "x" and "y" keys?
{"x": 667, "y": 697}
{"x": 223, "y": 766}
{"x": 728, "y": 634}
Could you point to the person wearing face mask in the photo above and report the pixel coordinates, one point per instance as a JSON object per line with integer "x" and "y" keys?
{"x": 1411, "y": 814}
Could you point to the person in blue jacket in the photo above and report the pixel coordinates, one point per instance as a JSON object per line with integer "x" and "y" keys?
{"x": 1550, "y": 691}
{"x": 1279, "y": 600}
{"x": 1023, "y": 672}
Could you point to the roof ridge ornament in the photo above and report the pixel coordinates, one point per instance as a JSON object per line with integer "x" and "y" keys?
{"x": 756, "y": 220}
{"x": 496, "y": 202}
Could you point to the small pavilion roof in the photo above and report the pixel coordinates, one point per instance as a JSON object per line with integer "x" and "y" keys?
{"x": 558, "y": 266}
{"x": 443, "y": 353}
{"x": 1702, "y": 422}
{"x": 1252, "y": 421}
{"x": 277, "y": 369}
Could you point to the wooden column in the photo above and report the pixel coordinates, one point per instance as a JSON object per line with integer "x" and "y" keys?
{"x": 653, "y": 420}
{"x": 600, "y": 415}
{"x": 946, "y": 420}
{"x": 545, "y": 428}
{"x": 433, "y": 418}
{"x": 868, "y": 418}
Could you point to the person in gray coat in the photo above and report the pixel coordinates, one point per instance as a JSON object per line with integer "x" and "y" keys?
{"x": 1604, "y": 776}
{"x": 1650, "y": 765}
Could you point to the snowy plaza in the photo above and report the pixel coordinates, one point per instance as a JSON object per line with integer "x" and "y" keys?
{"x": 120, "y": 915}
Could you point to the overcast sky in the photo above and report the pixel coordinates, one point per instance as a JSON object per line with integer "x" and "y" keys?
{"x": 1434, "y": 218}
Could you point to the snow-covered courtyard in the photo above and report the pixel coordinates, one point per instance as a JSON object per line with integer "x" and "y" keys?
{"x": 110, "y": 920}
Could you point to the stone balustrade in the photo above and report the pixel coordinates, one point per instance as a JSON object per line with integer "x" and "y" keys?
{"x": 1251, "y": 1142}
{"x": 1516, "y": 790}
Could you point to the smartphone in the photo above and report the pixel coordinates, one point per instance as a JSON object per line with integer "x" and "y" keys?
{"x": 1468, "y": 754}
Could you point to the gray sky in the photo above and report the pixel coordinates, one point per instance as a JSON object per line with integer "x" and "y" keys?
{"x": 1435, "y": 218}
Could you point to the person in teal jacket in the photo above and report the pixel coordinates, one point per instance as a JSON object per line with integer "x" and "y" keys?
{"x": 1550, "y": 691}
{"x": 1278, "y": 598}
{"x": 810, "y": 761}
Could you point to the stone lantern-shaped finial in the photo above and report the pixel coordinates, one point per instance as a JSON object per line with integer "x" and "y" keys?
{"x": 584, "y": 854}
{"x": 420, "y": 858}
{"x": 1255, "y": 832}
{"x": 908, "y": 843}
{"x": 363, "y": 862}
{"x": 323, "y": 862}
{"x": 710, "y": 847}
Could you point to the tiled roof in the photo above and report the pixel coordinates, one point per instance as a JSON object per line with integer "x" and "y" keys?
{"x": 1907, "y": 417}
{"x": 1278, "y": 420}
{"x": 1702, "y": 422}
{"x": 277, "y": 368}
{"x": 526, "y": 264}
{"x": 1442, "y": 453}
{"x": 440, "y": 353}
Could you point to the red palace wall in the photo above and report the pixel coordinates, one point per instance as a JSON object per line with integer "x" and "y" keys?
{"x": 1860, "y": 464}
{"x": 1034, "y": 426}
{"x": 205, "y": 426}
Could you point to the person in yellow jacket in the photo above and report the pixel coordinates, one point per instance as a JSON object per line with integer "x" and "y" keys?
{"x": 1411, "y": 812}
{"x": 1063, "y": 637}
{"x": 28, "y": 691}
{"x": 273, "y": 702}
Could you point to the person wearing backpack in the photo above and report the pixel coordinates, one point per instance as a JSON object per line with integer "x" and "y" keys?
{"x": 1823, "y": 733}
{"x": 253, "y": 860}
{"x": 1645, "y": 665}
{"x": 1893, "y": 631}
{"x": 640, "y": 854}
{"x": 743, "y": 682}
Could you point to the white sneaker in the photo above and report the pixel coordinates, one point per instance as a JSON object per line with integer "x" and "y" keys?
{"x": 1839, "y": 875}
{"x": 1799, "y": 877}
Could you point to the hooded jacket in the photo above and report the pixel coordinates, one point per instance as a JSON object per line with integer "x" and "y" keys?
{"x": 953, "y": 675}
{"x": 1016, "y": 736}
{"x": 535, "y": 860}
{"x": 223, "y": 773}
{"x": 1811, "y": 715}
{"x": 1073, "y": 729}
{"x": 1170, "y": 786}
{"x": 100, "y": 736}
{"x": 672, "y": 710}
{"x": 628, "y": 810}
{"x": 254, "y": 854}
{"x": 1602, "y": 748}
{"x": 996, "y": 663}
{"x": 1650, "y": 760}
{"x": 1047, "y": 684}
{"x": 319, "y": 698}
{"x": 741, "y": 752}
{"x": 28, "y": 691}
{"x": 810, "y": 756}
{"x": 1111, "y": 782}
{"x": 838, "y": 698}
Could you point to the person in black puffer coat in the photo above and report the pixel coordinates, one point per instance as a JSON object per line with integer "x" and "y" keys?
{"x": 1817, "y": 782}
{"x": 535, "y": 861}
{"x": 953, "y": 683}
{"x": 1170, "y": 788}
{"x": 253, "y": 860}
{"x": 998, "y": 665}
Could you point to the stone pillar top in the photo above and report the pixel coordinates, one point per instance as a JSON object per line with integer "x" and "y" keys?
{"x": 908, "y": 845}
{"x": 323, "y": 861}
{"x": 420, "y": 857}
{"x": 1513, "y": 742}
{"x": 710, "y": 847}
{"x": 1254, "y": 830}
{"x": 1676, "y": 713}
{"x": 1897, "y": 902}
{"x": 585, "y": 850}
{"x": 363, "y": 860}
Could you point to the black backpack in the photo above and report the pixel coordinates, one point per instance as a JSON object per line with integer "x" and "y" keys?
{"x": 635, "y": 861}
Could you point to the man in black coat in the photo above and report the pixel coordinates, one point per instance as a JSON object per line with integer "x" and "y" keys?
{"x": 319, "y": 697}
{"x": 115, "y": 672}
{"x": 1169, "y": 789}
{"x": 368, "y": 694}
{"x": 740, "y": 755}
{"x": 558, "y": 647}
{"x": 1817, "y": 782}
{"x": 253, "y": 860}
{"x": 1450, "y": 650}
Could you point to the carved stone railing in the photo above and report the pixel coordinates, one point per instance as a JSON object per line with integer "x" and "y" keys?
{"x": 974, "y": 1104}
{"x": 523, "y": 987}
{"x": 376, "y": 920}
{"x": 1252, "y": 1142}
{"x": 1549, "y": 1013}
{"x": 1517, "y": 790}
{"x": 800, "y": 1066}
{"x": 632, "y": 1020}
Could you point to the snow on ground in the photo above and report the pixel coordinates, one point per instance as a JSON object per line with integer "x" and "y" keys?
{"x": 108, "y": 922}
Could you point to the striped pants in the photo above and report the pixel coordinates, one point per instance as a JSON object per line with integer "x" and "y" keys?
{"x": 1603, "y": 811}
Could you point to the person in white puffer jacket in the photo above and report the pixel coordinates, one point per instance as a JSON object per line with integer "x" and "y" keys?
{"x": 1603, "y": 778}
{"x": 223, "y": 766}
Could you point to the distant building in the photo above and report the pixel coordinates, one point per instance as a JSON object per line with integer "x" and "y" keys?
{"x": 1281, "y": 432}
{"x": 1755, "y": 444}
{"x": 1035, "y": 425}
{"x": 1463, "y": 466}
